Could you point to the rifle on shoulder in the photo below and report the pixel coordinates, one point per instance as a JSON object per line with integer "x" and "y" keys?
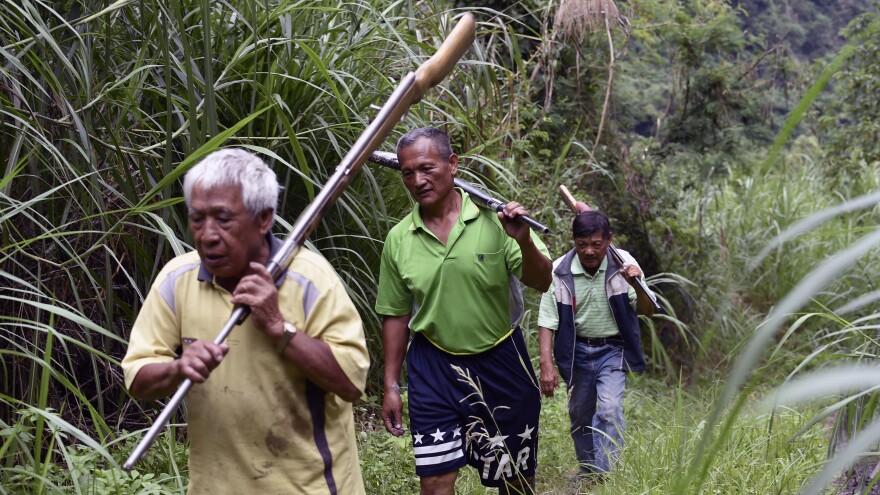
{"x": 409, "y": 91}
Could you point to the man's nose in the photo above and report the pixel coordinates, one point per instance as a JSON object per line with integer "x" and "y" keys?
{"x": 210, "y": 231}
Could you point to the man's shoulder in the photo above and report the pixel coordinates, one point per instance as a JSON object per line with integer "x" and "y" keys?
{"x": 180, "y": 264}
{"x": 188, "y": 257}
{"x": 401, "y": 229}
{"x": 489, "y": 215}
{"x": 627, "y": 257}
{"x": 313, "y": 267}
{"x": 558, "y": 261}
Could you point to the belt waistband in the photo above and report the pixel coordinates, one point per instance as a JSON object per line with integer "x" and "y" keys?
{"x": 597, "y": 341}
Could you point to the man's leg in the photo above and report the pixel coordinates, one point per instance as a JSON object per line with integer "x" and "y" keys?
{"x": 504, "y": 409}
{"x": 519, "y": 487}
{"x": 608, "y": 421}
{"x": 434, "y": 417}
{"x": 443, "y": 484}
{"x": 582, "y": 406}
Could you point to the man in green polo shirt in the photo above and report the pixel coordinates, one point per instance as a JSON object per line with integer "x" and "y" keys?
{"x": 588, "y": 318}
{"x": 450, "y": 274}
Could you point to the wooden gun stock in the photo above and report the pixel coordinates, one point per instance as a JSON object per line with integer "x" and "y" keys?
{"x": 409, "y": 91}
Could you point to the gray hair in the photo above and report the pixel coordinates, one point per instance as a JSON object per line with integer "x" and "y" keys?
{"x": 259, "y": 186}
{"x": 439, "y": 138}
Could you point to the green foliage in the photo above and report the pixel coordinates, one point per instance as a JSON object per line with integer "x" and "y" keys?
{"x": 764, "y": 261}
{"x": 810, "y": 27}
{"x": 97, "y": 130}
{"x": 662, "y": 432}
{"x": 852, "y": 123}
{"x": 93, "y": 475}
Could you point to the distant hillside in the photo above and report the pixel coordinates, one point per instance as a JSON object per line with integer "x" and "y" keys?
{"x": 811, "y": 28}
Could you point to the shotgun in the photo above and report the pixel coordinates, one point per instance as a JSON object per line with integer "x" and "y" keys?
{"x": 389, "y": 160}
{"x": 569, "y": 199}
{"x": 409, "y": 91}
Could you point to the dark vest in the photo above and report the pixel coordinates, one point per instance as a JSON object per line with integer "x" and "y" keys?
{"x": 625, "y": 316}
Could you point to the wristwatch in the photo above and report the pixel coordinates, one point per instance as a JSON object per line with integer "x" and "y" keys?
{"x": 288, "y": 333}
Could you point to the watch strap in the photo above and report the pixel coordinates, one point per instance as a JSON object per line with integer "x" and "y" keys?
{"x": 288, "y": 333}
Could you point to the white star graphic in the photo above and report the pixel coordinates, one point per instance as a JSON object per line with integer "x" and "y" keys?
{"x": 527, "y": 434}
{"x": 456, "y": 432}
{"x": 438, "y": 435}
{"x": 417, "y": 439}
{"x": 497, "y": 440}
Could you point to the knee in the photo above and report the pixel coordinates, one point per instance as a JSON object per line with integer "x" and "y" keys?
{"x": 610, "y": 410}
{"x": 443, "y": 484}
{"x": 518, "y": 487}
{"x": 581, "y": 414}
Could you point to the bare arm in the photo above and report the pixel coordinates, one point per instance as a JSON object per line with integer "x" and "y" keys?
{"x": 549, "y": 377}
{"x": 395, "y": 334}
{"x": 644, "y": 305}
{"x": 312, "y": 356}
{"x": 158, "y": 380}
{"x": 536, "y": 268}
{"x": 315, "y": 360}
{"x": 155, "y": 381}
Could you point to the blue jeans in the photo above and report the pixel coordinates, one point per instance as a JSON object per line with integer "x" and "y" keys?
{"x": 595, "y": 405}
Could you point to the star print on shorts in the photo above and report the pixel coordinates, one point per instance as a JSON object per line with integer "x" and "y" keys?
{"x": 437, "y": 447}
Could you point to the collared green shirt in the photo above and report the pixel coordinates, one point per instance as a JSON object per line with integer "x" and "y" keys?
{"x": 593, "y": 316}
{"x": 464, "y": 296}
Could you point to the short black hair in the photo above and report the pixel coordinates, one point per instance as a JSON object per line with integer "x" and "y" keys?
{"x": 587, "y": 223}
{"x": 438, "y": 137}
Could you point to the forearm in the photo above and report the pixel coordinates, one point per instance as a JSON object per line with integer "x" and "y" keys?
{"x": 536, "y": 268}
{"x": 395, "y": 334}
{"x": 156, "y": 381}
{"x": 545, "y": 346}
{"x": 316, "y": 361}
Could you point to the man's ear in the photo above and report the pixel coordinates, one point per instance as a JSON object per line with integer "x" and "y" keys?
{"x": 265, "y": 219}
{"x": 453, "y": 163}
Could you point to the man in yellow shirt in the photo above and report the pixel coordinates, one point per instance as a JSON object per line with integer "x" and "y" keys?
{"x": 276, "y": 417}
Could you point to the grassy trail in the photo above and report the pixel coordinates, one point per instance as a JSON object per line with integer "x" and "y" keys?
{"x": 664, "y": 426}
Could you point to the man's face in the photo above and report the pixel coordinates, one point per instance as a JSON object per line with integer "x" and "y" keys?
{"x": 227, "y": 236}
{"x": 427, "y": 176}
{"x": 591, "y": 250}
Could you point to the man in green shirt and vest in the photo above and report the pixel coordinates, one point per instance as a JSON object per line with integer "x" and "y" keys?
{"x": 450, "y": 275}
{"x": 588, "y": 318}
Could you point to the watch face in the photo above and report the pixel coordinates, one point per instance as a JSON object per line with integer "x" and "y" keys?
{"x": 289, "y": 332}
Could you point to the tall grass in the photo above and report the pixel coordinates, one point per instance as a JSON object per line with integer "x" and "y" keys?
{"x": 104, "y": 107}
{"x": 800, "y": 256}
{"x": 664, "y": 428}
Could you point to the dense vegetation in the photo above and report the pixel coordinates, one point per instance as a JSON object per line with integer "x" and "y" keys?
{"x": 734, "y": 145}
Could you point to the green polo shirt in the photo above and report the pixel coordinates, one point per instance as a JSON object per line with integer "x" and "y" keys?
{"x": 593, "y": 316}
{"x": 464, "y": 295}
